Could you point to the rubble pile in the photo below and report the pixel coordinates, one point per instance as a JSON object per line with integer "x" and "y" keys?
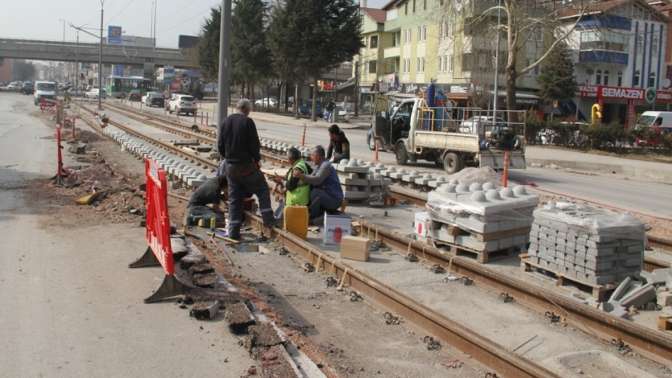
{"x": 481, "y": 216}
{"x": 592, "y": 245}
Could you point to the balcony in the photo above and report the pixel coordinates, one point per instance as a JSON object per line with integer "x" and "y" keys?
{"x": 391, "y": 52}
{"x": 601, "y": 56}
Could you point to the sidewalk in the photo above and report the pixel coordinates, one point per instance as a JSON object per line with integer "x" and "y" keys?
{"x": 361, "y": 122}
{"x": 551, "y": 157}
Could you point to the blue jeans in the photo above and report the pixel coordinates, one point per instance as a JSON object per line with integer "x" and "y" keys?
{"x": 240, "y": 187}
{"x": 321, "y": 201}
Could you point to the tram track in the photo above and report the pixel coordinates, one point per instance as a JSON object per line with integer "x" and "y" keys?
{"x": 650, "y": 343}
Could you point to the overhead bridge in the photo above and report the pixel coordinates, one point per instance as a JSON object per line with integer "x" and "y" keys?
{"x": 88, "y": 53}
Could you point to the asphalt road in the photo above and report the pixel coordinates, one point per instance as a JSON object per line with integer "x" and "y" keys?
{"x": 69, "y": 306}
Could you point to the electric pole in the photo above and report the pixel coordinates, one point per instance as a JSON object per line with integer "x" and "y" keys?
{"x": 496, "y": 85}
{"x": 223, "y": 96}
{"x": 100, "y": 60}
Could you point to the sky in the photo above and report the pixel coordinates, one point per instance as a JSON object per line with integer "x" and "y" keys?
{"x": 43, "y": 19}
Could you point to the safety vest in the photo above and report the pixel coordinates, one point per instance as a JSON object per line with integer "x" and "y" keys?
{"x": 301, "y": 195}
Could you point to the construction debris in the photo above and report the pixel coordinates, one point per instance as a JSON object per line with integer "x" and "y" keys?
{"x": 205, "y": 310}
{"x": 239, "y": 317}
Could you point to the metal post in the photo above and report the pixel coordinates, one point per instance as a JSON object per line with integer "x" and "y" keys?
{"x": 77, "y": 65}
{"x": 223, "y": 97}
{"x": 496, "y": 84}
{"x": 100, "y": 60}
{"x": 357, "y": 95}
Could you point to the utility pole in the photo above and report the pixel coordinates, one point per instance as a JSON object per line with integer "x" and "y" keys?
{"x": 100, "y": 60}
{"x": 496, "y": 85}
{"x": 357, "y": 86}
{"x": 223, "y": 96}
{"x": 77, "y": 65}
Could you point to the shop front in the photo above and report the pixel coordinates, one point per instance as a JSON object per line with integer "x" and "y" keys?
{"x": 621, "y": 104}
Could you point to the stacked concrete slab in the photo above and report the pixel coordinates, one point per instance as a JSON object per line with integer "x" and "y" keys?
{"x": 592, "y": 245}
{"x": 361, "y": 183}
{"x": 481, "y": 216}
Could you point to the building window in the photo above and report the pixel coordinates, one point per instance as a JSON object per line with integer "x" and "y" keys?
{"x": 419, "y": 33}
{"x": 652, "y": 79}
{"x": 372, "y": 67}
{"x": 424, "y": 4}
{"x": 424, "y": 32}
{"x": 620, "y": 79}
{"x": 450, "y": 63}
{"x": 441, "y": 25}
{"x": 373, "y": 41}
{"x": 635, "y": 80}
{"x": 413, "y": 6}
{"x": 406, "y": 9}
{"x": 606, "y": 78}
{"x": 417, "y": 64}
{"x": 598, "y": 77}
{"x": 423, "y": 66}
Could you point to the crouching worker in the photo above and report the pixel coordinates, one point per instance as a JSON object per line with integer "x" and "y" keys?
{"x": 210, "y": 193}
{"x": 326, "y": 194}
{"x": 294, "y": 191}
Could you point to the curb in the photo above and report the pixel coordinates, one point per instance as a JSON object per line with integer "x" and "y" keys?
{"x": 612, "y": 169}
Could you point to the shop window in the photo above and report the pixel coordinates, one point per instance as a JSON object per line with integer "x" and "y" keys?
{"x": 598, "y": 77}
{"x": 620, "y": 78}
{"x": 606, "y": 78}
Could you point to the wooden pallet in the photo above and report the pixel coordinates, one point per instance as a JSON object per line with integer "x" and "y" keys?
{"x": 482, "y": 257}
{"x": 599, "y": 292}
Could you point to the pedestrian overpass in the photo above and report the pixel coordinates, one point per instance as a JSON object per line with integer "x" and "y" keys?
{"x": 88, "y": 53}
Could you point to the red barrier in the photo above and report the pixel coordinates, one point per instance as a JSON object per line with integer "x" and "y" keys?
{"x": 157, "y": 233}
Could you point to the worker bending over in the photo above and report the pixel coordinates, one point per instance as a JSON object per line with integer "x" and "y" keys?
{"x": 210, "y": 192}
{"x": 238, "y": 144}
{"x": 326, "y": 194}
{"x": 339, "y": 146}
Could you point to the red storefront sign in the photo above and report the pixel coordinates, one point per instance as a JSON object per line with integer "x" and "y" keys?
{"x": 621, "y": 93}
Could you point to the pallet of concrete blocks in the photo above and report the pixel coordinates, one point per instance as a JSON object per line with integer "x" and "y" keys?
{"x": 359, "y": 184}
{"x": 481, "y": 219}
{"x": 591, "y": 246}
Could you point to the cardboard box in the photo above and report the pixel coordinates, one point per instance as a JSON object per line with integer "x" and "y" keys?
{"x": 355, "y": 248}
{"x": 335, "y": 228}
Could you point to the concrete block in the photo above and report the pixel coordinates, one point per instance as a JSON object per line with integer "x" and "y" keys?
{"x": 639, "y": 296}
{"x": 664, "y": 298}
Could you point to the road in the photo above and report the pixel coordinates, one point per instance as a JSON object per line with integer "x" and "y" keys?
{"x": 70, "y": 307}
{"x": 623, "y": 192}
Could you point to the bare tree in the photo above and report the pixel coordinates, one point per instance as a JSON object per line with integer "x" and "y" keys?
{"x": 524, "y": 20}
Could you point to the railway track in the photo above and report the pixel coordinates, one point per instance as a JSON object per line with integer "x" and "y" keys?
{"x": 648, "y": 342}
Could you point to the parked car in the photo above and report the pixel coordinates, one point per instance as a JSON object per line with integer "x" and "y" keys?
{"x": 135, "y": 95}
{"x": 15, "y": 86}
{"x": 269, "y": 102}
{"x": 28, "y": 88}
{"x": 93, "y": 93}
{"x": 153, "y": 99}
{"x": 182, "y": 103}
{"x": 305, "y": 109}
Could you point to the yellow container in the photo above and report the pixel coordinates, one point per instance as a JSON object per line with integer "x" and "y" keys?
{"x": 296, "y": 220}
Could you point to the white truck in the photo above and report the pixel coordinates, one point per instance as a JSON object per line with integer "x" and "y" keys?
{"x": 449, "y": 136}
{"x": 44, "y": 90}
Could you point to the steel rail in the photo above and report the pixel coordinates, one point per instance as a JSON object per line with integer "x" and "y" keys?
{"x": 484, "y": 350}
{"x": 653, "y": 344}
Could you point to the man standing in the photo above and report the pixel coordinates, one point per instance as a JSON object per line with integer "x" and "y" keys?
{"x": 339, "y": 146}
{"x": 238, "y": 144}
{"x": 325, "y": 193}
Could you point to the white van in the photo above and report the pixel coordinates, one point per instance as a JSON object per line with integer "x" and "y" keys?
{"x": 44, "y": 89}
{"x": 652, "y": 118}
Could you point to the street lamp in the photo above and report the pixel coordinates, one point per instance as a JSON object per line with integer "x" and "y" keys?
{"x": 100, "y": 60}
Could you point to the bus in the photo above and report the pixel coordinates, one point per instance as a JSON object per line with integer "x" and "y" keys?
{"x": 120, "y": 86}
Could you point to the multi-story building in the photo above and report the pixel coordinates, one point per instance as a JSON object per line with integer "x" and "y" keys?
{"x": 620, "y": 58}
{"x": 409, "y": 43}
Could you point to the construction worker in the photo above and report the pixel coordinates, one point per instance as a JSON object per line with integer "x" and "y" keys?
{"x": 238, "y": 144}
{"x": 297, "y": 192}
{"x": 339, "y": 146}
{"x": 326, "y": 193}
{"x": 210, "y": 192}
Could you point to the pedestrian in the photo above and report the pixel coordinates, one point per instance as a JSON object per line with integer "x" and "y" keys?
{"x": 339, "y": 146}
{"x": 238, "y": 144}
{"x": 326, "y": 194}
{"x": 331, "y": 109}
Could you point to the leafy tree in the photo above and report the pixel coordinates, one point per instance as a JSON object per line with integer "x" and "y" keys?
{"x": 311, "y": 37}
{"x": 208, "y": 48}
{"x": 23, "y": 70}
{"x": 250, "y": 56}
{"x": 557, "y": 80}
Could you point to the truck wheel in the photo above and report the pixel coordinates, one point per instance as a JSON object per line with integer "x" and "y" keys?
{"x": 452, "y": 162}
{"x": 401, "y": 154}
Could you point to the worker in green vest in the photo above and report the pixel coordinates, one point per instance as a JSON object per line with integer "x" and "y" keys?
{"x": 297, "y": 192}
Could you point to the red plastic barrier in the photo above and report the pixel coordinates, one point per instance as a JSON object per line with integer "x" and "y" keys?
{"x": 158, "y": 223}
{"x": 157, "y": 234}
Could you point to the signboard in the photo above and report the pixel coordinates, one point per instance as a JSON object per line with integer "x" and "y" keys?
{"x": 611, "y": 92}
{"x": 114, "y": 35}
{"x": 650, "y": 95}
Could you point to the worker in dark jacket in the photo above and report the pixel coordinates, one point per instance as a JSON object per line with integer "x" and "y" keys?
{"x": 238, "y": 144}
{"x": 339, "y": 146}
{"x": 209, "y": 193}
{"x": 326, "y": 193}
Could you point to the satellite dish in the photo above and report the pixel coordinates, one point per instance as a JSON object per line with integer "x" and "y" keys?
{"x": 667, "y": 83}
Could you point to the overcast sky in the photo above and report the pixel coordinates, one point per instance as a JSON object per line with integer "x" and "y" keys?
{"x": 41, "y": 19}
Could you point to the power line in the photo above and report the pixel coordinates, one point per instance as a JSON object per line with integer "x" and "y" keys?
{"x": 128, "y": 3}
